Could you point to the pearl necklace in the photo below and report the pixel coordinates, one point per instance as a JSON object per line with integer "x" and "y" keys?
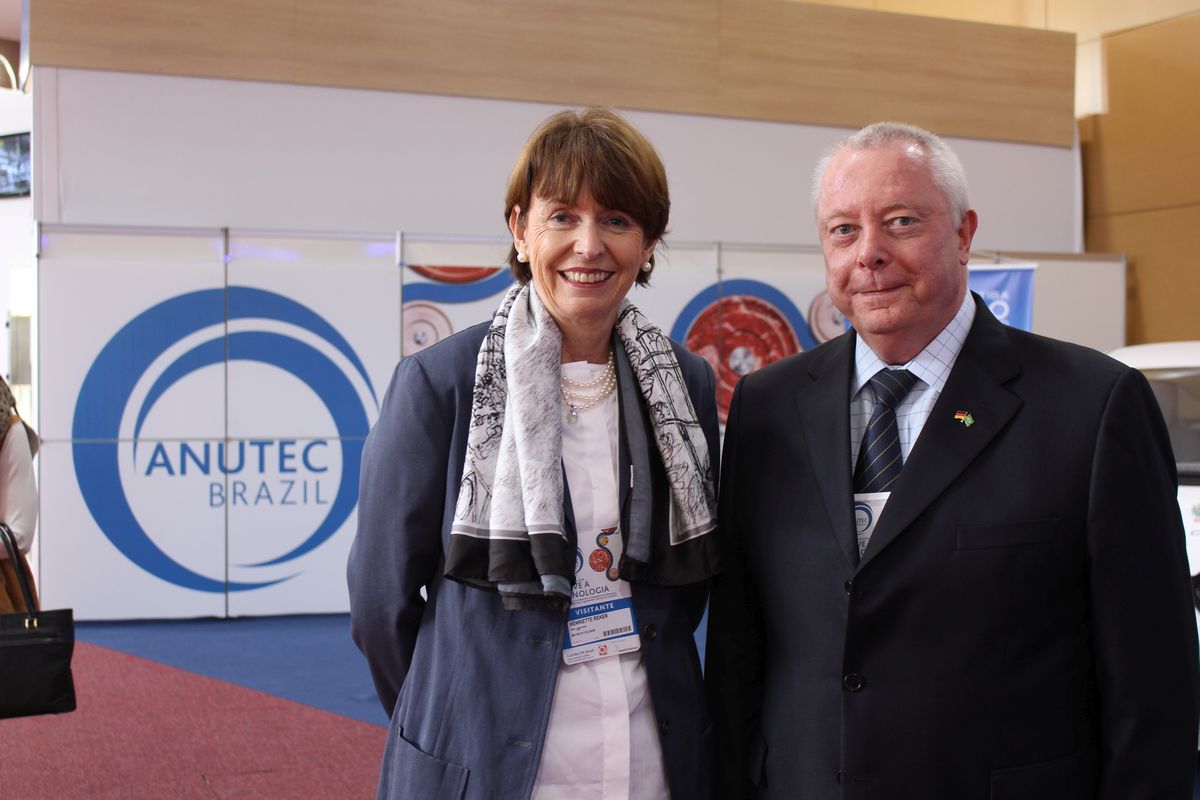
{"x": 576, "y": 393}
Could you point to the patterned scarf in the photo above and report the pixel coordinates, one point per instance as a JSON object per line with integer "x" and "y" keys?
{"x": 508, "y": 533}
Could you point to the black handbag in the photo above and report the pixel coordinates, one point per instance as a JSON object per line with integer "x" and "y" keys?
{"x": 35, "y": 652}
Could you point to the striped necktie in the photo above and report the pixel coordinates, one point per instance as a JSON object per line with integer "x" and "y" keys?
{"x": 879, "y": 458}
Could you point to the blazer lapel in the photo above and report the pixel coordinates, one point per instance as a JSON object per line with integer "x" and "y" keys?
{"x": 947, "y": 445}
{"x": 824, "y": 406}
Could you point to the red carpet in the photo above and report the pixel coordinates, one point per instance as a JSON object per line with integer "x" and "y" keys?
{"x": 145, "y": 730}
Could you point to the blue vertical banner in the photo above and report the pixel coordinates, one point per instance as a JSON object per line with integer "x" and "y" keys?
{"x": 1008, "y": 291}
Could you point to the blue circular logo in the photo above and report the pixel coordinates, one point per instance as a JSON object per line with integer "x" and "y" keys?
{"x": 862, "y": 517}
{"x": 109, "y": 386}
{"x": 743, "y": 286}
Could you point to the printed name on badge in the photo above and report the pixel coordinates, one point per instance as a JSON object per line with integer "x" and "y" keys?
{"x": 601, "y": 621}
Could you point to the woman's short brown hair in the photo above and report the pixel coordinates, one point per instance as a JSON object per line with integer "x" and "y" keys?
{"x": 598, "y": 148}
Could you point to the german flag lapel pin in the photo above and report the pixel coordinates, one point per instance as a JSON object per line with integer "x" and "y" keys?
{"x": 964, "y": 417}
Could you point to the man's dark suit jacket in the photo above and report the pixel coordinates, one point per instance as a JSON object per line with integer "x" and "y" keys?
{"x": 1020, "y": 625}
{"x": 468, "y": 684}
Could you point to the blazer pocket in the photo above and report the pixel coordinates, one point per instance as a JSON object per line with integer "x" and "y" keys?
{"x": 1070, "y": 778}
{"x": 413, "y": 773}
{"x": 1012, "y": 534}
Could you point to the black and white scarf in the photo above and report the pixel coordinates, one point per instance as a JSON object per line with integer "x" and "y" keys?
{"x": 508, "y": 533}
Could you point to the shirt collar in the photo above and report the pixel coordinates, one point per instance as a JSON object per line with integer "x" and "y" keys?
{"x": 931, "y": 365}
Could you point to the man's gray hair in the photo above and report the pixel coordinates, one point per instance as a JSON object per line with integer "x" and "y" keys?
{"x": 947, "y": 171}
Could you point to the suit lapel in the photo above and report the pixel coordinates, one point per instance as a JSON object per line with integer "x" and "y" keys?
{"x": 946, "y": 446}
{"x": 824, "y": 406}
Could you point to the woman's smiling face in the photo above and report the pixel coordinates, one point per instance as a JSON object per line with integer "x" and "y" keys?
{"x": 584, "y": 257}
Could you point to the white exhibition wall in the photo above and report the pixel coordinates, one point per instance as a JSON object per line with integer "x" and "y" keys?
{"x": 203, "y": 425}
{"x": 219, "y": 312}
{"x": 126, "y": 149}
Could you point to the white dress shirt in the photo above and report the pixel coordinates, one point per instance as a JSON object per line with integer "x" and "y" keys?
{"x": 602, "y": 739}
{"x": 931, "y": 366}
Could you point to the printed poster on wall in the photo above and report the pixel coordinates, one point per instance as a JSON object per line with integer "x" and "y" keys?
{"x": 209, "y": 420}
{"x": 769, "y": 303}
{"x": 313, "y": 336}
{"x": 449, "y": 284}
{"x": 203, "y": 425}
{"x": 1007, "y": 289}
{"x": 679, "y": 270}
{"x": 122, "y": 382}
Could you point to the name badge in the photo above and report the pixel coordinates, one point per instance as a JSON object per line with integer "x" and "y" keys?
{"x": 867, "y": 508}
{"x": 601, "y": 622}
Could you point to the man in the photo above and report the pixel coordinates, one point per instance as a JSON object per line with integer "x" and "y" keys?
{"x": 1008, "y": 615}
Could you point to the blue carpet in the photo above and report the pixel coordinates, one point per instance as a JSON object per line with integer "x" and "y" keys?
{"x": 308, "y": 659}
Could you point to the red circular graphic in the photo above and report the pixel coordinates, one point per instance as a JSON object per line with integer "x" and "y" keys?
{"x": 600, "y": 560}
{"x": 824, "y": 320}
{"x": 450, "y": 274}
{"x": 738, "y": 335}
{"x": 423, "y": 324}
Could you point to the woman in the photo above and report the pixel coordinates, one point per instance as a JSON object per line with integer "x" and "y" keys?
{"x": 18, "y": 497}
{"x": 548, "y": 479}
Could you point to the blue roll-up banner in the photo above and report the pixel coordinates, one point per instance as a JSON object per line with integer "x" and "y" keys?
{"x": 1008, "y": 291}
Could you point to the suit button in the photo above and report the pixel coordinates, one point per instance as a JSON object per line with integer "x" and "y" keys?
{"x": 854, "y": 682}
{"x": 650, "y": 631}
{"x": 848, "y": 586}
{"x": 665, "y": 726}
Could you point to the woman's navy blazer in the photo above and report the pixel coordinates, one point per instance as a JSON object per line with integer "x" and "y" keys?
{"x": 468, "y": 684}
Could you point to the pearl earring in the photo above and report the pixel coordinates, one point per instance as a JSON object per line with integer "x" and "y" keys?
{"x": 647, "y": 267}
{"x": 521, "y": 257}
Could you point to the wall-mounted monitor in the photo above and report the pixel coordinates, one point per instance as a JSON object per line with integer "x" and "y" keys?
{"x": 14, "y": 165}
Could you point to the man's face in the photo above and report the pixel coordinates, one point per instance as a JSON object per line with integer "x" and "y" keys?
{"x": 895, "y": 259}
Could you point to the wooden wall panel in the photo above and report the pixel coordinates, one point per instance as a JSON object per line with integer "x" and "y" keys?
{"x": 1090, "y": 19}
{"x": 1142, "y": 154}
{"x": 1087, "y": 19}
{"x": 535, "y": 49}
{"x": 220, "y": 39}
{"x": 1164, "y": 281}
{"x": 761, "y": 59}
{"x": 1028, "y": 13}
{"x": 1141, "y": 171}
{"x": 979, "y": 81}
